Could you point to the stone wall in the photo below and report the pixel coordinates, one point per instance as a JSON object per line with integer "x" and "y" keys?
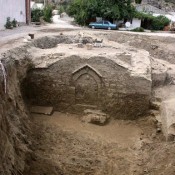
{"x": 74, "y": 84}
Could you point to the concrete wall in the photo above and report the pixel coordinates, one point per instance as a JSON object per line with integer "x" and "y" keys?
{"x": 136, "y": 23}
{"x": 13, "y": 9}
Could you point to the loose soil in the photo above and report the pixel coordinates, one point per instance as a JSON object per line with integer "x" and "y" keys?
{"x": 63, "y": 145}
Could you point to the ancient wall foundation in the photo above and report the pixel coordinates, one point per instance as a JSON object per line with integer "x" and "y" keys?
{"x": 75, "y": 84}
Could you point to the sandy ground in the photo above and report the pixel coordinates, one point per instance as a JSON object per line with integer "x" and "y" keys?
{"x": 73, "y": 147}
{"x": 64, "y": 145}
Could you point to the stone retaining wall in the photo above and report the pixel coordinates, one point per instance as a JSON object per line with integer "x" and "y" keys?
{"x": 74, "y": 84}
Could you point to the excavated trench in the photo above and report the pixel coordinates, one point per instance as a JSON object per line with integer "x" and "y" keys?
{"x": 111, "y": 87}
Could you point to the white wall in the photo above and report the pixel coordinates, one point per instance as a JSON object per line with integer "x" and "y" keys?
{"x": 136, "y": 23}
{"x": 13, "y": 9}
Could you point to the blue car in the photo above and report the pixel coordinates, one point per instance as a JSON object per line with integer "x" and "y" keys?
{"x": 103, "y": 25}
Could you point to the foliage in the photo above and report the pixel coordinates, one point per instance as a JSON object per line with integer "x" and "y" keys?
{"x": 14, "y": 23}
{"x": 36, "y": 14}
{"x": 141, "y": 15}
{"x": 156, "y": 23}
{"x": 84, "y": 10}
{"x": 47, "y": 13}
{"x": 8, "y": 24}
{"x": 138, "y": 1}
{"x": 138, "y": 29}
{"x": 61, "y": 9}
{"x": 160, "y": 22}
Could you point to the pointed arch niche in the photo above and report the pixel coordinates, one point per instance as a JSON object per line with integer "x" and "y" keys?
{"x": 87, "y": 82}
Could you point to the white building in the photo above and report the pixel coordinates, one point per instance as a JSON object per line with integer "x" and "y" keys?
{"x": 18, "y": 9}
{"x": 34, "y": 5}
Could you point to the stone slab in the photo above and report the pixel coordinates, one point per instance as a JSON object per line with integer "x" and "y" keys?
{"x": 168, "y": 118}
{"x": 41, "y": 110}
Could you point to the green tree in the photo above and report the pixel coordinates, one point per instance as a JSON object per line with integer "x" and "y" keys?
{"x": 83, "y": 10}
{"x": 47, "y": 13}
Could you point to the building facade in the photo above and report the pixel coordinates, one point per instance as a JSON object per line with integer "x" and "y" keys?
{"x": 20, "y": 10}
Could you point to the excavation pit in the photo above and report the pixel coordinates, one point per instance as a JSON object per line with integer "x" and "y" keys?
{"x": 113, "y": 81}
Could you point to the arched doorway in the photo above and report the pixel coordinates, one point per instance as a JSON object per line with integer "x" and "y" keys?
{"x": 86, "y": 90}
{"x": 87, "y": 82}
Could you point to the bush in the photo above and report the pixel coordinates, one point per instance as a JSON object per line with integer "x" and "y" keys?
{"x": 154, "y": 23}
{"x": 36, "y": 14}
{"x": 138, "y": 29}
{"x": 47, "y": 13}
{"x": 14, "y": 23}
{"x": 61, "y": 9}
{"x": 8, "y": 24}
{"x": 159, "y": 22}
{"x": 138, "y": 1}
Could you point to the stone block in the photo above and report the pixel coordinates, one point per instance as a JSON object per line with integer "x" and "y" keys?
{"x": 89, "y": 46}
{"x": 80, "y": 45}
{"x": 95, "y": 117}
{"x": 41, "y": 110}
{"x": 168, "y": 119}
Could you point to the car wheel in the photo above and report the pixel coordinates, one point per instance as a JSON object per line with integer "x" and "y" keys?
{"x": 109, "y": 28}
{"x": 93, "y": 27}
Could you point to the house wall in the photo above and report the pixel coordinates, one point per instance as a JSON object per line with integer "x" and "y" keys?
{"x": 13, "y": 9}
{"x": 136, "y": 23}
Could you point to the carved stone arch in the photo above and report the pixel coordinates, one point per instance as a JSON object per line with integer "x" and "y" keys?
{"x": 87, "y": 69}
{"x": 87, "y": 83}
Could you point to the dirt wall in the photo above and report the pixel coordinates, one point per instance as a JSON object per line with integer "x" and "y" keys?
{"x": 14, "y": 123}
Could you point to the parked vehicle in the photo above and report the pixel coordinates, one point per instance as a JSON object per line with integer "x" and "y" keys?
{"x": 103, "y": 25}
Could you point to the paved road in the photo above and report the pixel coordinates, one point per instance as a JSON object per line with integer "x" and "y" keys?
{"x": 23, "y": 31}
{"x": 7, "y": 36}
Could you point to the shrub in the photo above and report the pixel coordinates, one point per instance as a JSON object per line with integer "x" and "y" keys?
{"x": 61, "y": 9}
{"x": 14, "y": 23}
{"x": 47, "y": 13}
{"x": 159, "y": 22}
{"x": 8, "y": 24}
{"x": 138, "y": 1}
{"x": 138, "y": 29}
{"x": 154, "y": 23}
{"x": 36, "y": 14}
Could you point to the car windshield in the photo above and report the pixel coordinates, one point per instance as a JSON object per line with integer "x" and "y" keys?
{"x": 100, "y": 22}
